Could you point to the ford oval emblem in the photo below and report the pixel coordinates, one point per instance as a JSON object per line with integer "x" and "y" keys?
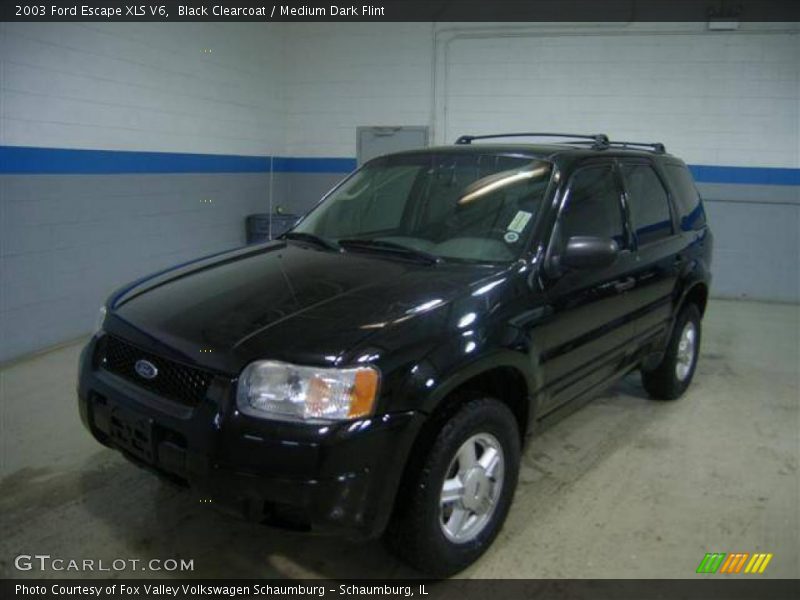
{"x": 145, "y": 369}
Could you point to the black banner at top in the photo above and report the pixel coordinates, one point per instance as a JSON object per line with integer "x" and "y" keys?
{"x": 399, "y": 10}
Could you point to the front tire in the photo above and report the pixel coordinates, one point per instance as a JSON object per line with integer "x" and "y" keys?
{"x": 459, "y": 498}
{"x": 673, "y": 375}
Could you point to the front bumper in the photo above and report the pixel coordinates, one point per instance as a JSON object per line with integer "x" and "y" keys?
{"x": 339, "y": 478}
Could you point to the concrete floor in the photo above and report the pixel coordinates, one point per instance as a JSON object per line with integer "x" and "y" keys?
{"x": 624, "y": 488}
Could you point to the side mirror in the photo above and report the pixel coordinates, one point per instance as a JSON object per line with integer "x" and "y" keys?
{"x": 588, "y": 252}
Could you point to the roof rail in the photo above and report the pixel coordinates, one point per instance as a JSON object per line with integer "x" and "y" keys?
{"x": 656, "y": 147}
{"x": 599, "y": 140}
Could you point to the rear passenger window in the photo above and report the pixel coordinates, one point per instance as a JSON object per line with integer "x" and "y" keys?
{"x": 649, "y": 203}
{"x": 593, "y": 206}
{"x": 687, "y": 198}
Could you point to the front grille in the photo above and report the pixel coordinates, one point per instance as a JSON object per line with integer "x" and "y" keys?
{"x": 175, "y": 381}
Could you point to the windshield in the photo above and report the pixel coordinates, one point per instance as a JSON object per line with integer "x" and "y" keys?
{"x": 473, "y": 207}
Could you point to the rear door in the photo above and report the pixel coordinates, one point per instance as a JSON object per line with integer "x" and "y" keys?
{"x": 585, "y": 340}
{"x": 660, "y": 252}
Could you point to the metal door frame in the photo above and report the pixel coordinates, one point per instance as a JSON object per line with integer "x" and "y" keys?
{"x": 389, "y": 130}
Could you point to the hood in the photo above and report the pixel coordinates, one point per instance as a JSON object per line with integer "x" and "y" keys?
{"x": 283, "y": 301}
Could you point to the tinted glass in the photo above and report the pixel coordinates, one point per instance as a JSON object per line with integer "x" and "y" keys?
{"x": 593, "y": 206}
{"x": 649, "y": 203}
{"x": 373, "y": 202}
{"x": 463, "y": 206}
{"x": 687, "y": 199}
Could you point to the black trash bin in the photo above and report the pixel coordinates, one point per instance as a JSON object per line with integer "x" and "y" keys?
{"x": 257, "y": 226}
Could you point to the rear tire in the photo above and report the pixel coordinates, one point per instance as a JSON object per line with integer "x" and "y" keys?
{"x": 674, "y": 373}
{"x": 458, "y": 498}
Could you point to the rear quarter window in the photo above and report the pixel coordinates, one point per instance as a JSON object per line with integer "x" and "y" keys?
{"x": 691, "y": 214}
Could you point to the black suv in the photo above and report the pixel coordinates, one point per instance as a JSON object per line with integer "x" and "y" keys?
{"x": 377, "y": 368}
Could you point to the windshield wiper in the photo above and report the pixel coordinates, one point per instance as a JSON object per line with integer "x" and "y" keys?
{"x": 389, "y": 248}
{"x": 312, "y": 238}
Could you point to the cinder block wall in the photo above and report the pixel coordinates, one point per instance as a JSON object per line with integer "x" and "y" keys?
{"x": 345, "y": 75}
{"x": 77, "y": 225}
{"x": 236, "y": 95}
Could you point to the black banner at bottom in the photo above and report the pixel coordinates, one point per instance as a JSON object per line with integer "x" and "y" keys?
{"x": 459, "y": 589}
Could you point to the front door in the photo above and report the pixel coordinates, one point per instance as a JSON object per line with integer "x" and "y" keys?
{"x": 585, "y": 340}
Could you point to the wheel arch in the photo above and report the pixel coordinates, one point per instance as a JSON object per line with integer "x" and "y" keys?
{"x": 503, "y": 379}
{"x": 504, "y": 383}
{"x": 505, "y": 376}
{"x": 696, "y": 293}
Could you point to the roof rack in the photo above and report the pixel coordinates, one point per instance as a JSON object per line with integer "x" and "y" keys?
{"x": 656, "y": 147}
{"x": 599, "y": 140}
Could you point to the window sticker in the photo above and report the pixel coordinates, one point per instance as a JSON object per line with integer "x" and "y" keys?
{"x": 511, "y": 237}
{"x": 519, "y": 221}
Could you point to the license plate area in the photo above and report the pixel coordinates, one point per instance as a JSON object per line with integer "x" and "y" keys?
{"x": 127, "y": 429}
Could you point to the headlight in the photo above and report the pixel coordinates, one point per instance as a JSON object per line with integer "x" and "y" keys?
{"x": 276, "y": 390}
{"x": 98, "y": 324}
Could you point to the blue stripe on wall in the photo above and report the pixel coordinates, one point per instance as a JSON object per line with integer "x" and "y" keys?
{"x": 751, "y": 175}
{"x": 42, "y": 161}
{"x": 39, "y": 161}
{"x": 60, "y": 161}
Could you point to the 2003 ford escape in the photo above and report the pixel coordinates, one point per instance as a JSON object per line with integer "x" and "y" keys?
{"x": 377, "y": 368}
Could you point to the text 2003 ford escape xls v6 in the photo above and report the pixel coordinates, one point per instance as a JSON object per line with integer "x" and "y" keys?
{"x": 377, "y": 368}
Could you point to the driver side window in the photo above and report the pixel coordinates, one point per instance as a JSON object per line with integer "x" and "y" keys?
{"x": 594, "y": 206}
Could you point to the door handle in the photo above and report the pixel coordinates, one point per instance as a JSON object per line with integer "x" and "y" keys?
{"x": 625, "y": 284}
